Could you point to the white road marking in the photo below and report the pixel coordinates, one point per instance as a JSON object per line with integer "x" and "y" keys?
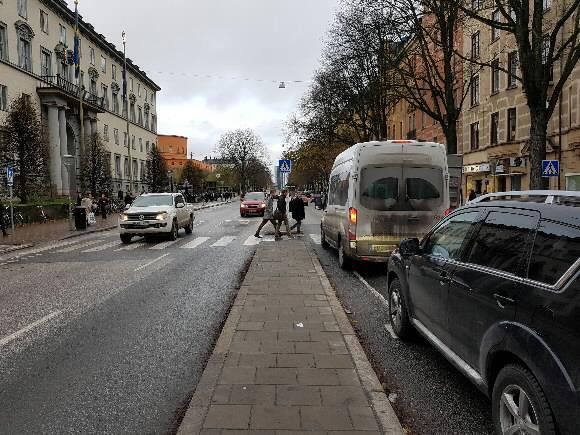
{"x": 80, "y": 245}
{"x": 268, "y": 239}
{"x": 315, "y": 238}
{"x": 195, "y": 243}
{"x": 103, "y": 247}
{"x": 131, "y": 247}
{"x": 163, "y": 245}
{"x": 198, "y": 224}
{"x": 228, "y": 220}
{"x": 244, "y": 222}
{"x": 225, "y": 241}
{"x": 24, "y": 330}
{"x": 150, "y": 263}
{"x": 252, "y": 241}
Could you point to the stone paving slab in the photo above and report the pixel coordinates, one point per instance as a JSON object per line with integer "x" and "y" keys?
{"x": 288, "y": 361}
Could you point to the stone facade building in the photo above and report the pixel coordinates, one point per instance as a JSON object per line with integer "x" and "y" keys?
{"x": 36, "y": 38}
{"x": 496, "y": 120}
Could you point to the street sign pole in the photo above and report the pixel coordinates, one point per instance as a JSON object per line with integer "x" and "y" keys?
{"x": 11, "y": 210}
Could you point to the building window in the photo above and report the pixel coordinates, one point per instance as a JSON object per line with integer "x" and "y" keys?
{"x": 495, "y": 16}
{"x": 140, "y": 144}
{"x": 475, "y": 91}
{"x": 106, "y": 132}
{"x": 573, "y": 182}
{"x": 118, "y": 166}
{"x": 3, "y": 42}
{"x": 547, "y": 4}
{"x": 147, "y": 146}
{"x": 114, "y": 71}
{"x": 116, "y": 135}
{"x": 24, "y": 55}
{"x": 133, "y": 142}
{"x": 152, "y": 97}
{"x": 125, "y": 138}
{"x": 105, "y": 95}
{"x": 475, "y": 5}
{"x": 139, "y": 89}
{"x": 62, "y": 34}
{"x": 23, "y": 8}
{"x": 132, "y": 112}
{"x": 115, "y": 102}
{"x": 513, "y": 69}
{"x": 3, "y": 97}
{"x": 146, "y": 94}
{"x": 131, "y": 82}
{"x": 154, "y": 123}
{"x": 475, "y": 45}
{"x": 475, "y": 136}
{"x": 140, "y": 116}
{"x": 545, "y": 49}
{"x": 494, "y": 134}
{"x": 45, "y": 62}
{"x": 43, "y": 21}
{"x": 103, "y": 64}
{"x": 511, "y": 124}
{"x": 126, "y": 167}
{"x": 495, "y": 76}
{"x": 92, "y": 55}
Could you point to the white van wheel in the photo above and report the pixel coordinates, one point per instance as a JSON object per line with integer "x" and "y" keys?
{"x": 343, "y": 261}
{"x": 323, "y": 241}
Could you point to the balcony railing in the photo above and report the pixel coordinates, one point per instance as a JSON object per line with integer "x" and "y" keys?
{"x": 70, "y": 88}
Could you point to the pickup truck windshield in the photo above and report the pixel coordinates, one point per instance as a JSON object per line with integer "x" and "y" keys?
{"x": 156, "y": 200}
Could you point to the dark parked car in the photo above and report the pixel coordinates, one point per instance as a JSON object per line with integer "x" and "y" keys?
{"x": 495, "y": 287}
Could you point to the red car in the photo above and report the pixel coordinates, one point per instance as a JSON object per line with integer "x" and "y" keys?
{"x": 253, "y": 204}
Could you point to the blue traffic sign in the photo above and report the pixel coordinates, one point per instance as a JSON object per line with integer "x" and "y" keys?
{"x": 550, "y": 168}
{"x": 285, "y": 165}
{"x": 10, "y": 176}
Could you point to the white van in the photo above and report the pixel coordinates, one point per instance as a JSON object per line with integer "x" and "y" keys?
{"x": 382, "y": 192}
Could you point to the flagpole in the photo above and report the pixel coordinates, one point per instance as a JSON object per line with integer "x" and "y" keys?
{"x": 127, "y": 113}
{"x": 77, "y": 62}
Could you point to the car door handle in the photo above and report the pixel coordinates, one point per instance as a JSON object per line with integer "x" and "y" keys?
{"x": 502, "y": 301}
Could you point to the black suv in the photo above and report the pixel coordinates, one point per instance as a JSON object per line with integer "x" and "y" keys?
{"x": 495, "y": 287}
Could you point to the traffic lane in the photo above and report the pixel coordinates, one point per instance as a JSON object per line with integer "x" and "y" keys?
{"x": 431, "y": 395}
{"x": 131, "y": 361}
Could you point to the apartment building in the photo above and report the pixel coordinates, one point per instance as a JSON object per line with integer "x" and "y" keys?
{"x": 36, "y": 39}
{"x": 496, "y": 120}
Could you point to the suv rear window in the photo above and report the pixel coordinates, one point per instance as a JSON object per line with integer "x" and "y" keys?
{"x": 556, "y": 248}
{"x": 502, "y": 241}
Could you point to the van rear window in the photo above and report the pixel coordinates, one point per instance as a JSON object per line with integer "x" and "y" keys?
{"x": 391, "y": 188}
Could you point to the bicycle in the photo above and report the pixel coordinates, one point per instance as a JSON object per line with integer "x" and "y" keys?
{"x": 18, "y": 218}
{"x": 43, "y": 216}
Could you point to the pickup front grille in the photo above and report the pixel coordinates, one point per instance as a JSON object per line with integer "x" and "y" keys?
{"x": 146, "y": 216}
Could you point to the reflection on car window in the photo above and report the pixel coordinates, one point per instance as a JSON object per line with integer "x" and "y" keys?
{"x": 446, "y": 241}
{"x": 254, "y": 196}
{"x": 502, "y": 241}
{"x": 556, "y": 248}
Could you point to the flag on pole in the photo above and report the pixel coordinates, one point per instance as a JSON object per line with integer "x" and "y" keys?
{"x": 77, "y": 43}
{"x": 124, "y": 72}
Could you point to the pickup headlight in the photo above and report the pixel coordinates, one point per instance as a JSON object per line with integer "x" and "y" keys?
{"x": 162, "y": 216}
{"x": 124, "y": 216}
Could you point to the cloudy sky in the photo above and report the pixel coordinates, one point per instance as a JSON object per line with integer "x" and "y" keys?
{"x": 241, "y": 41}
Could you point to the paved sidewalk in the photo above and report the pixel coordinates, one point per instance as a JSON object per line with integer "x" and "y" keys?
{"x": 288, "y": 360}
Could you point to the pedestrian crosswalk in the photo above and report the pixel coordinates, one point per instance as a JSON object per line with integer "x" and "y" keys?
{"x": 102, "y": 244}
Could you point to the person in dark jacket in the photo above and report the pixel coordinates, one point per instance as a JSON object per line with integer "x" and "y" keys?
{"x": 102, "y": 205}
{"x": 296, "y": 207}
{"x": 281, "y": 216}
{"x": 2, "y": 222}
{"x": 128, "y": 199}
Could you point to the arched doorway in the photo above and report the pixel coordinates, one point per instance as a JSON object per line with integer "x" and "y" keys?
{"x": 72, "y": 147}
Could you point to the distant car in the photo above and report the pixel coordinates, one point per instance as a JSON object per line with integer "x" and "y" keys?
{"x": 495, "y": 287}
{"x": 253, "y": 204}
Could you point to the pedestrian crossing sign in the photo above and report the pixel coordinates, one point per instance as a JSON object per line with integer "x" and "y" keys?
{"x": 285, "y": 165}
{"x": 10, "y": 176}
{"x": 550, "y": 168}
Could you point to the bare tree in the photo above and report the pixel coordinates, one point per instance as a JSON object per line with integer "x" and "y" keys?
{"x": 240, "y": 148}
{"x": 156, "y": 174}
{"x": 545, "y": 41}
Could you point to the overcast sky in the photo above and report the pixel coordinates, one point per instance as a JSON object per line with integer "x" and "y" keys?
{"x": 173, "y": 40}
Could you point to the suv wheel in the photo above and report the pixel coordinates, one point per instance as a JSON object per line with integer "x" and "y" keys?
{"x": 398, "y": 314}
{"x": 174, "y": 230}
{"x": 189, "y": 227}
{"x": 343, "y": 261}
{"x": 126, "y": 238}
{"x": 519, "y": 404}
{"x": 323, "y": 241}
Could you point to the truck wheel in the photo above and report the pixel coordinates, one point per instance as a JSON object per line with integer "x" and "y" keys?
{"x": 189, "y": 227}
{"x": 519, "y": 404}
{"x": 398, "y": 314}
{"x": 126, "y": 238}
{"x": 174, "y": 230}
{"x": 344, "y": 262}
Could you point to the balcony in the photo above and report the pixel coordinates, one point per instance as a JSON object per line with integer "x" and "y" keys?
{"x": 59, "y": 86}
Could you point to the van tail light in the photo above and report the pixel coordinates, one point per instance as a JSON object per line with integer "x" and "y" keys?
{"x": 352, "y": 213}
{"x": 352, "y": 219}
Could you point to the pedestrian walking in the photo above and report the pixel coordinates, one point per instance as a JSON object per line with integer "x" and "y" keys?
{"x": 268, "y": 214}
{"x": 296, "y": 207}
{"x": 79, "y": 199}
{"x": 102, "y": 205}
{"x": 281, "y": 216}
{"x": 128, "y": 199}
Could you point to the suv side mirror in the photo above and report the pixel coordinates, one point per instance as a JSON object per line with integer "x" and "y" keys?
{"x": 409, "y": 247}
{"x": 127, "y": 206}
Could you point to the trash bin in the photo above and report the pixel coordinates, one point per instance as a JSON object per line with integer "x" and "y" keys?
{"x": 80, "y": 218}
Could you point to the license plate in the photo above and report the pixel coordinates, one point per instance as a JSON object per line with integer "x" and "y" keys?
{"x": 381, "y": 248}
{"x": 142, "y": 224}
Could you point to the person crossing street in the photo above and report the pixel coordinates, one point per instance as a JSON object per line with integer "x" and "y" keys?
{"x": 281, "y": 216}
{"x": 296, "y": 207}
{"x": 268, "y": 213}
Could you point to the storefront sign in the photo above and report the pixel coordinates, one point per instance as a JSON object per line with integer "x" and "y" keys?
{"x": 470, "y": 169}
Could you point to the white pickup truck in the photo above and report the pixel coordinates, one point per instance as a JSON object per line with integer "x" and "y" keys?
{"x": 156, "y": 213}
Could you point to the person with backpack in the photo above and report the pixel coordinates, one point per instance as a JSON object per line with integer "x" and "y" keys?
{"x": 296, "y": 207}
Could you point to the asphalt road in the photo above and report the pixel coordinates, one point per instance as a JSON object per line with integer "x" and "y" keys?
{"x": 429, "y": 395}
{"x": 98, "y": 338}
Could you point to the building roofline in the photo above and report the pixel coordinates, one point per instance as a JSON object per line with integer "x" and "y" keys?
{"x": 87, "y": 29}
{"x": 172, "y": 135}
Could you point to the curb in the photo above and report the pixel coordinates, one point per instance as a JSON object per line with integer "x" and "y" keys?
{"x": 384, "y": 412}
{"x": 98, "y": 230}
{"x": 16, "y": 247}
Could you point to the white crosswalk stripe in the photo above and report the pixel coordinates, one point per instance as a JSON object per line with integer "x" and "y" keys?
{"x": 252, "y": 241}
{"x": 80, "y": 245}
{"x": 268, "y": 239}
{"x": 131, "y": 247}
{"x": 225, "y": 241}
{"x": 195, "y": 243}
{"x": 244, "y": 222}
{"x": 103, "y": 247}
{"x": 163, "y": 245}
{"x": 315, "y": 238}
